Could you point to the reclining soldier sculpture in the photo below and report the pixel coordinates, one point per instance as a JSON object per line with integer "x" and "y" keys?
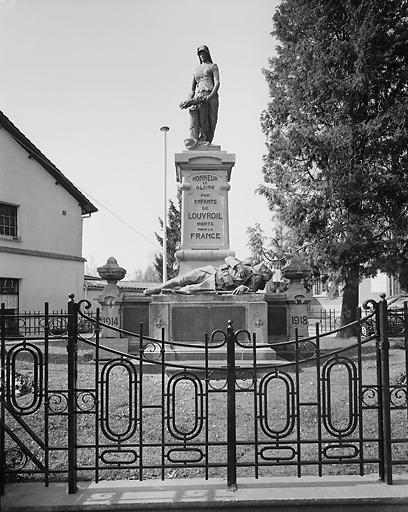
{"x": 234, "y": 276}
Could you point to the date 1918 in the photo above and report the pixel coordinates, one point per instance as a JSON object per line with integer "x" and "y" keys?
{"x": 299, "y": 320}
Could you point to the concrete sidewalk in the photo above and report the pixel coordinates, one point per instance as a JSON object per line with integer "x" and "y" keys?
{"x": 332, "y": 493}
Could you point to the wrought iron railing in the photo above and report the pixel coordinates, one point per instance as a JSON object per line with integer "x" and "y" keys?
{"x": 33, "y": 323}
{"x": 329, "y": 320}
{"x": 329, "y": 409}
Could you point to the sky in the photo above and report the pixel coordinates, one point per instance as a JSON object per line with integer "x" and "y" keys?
{"x": 90, "y": 83}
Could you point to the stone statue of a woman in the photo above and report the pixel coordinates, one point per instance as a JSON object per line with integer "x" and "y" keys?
{"x": 202, "y": 101}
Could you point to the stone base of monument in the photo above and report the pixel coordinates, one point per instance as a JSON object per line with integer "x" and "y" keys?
{"x": 188, "y": 318}
{"x": 119, "y": 344}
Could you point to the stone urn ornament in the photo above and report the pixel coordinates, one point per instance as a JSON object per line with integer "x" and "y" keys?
{"x": 296, "y": 270}
{"x": 111, "y": 271}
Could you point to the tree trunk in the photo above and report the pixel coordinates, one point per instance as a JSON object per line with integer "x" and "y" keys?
{"x": 349, "y": 304}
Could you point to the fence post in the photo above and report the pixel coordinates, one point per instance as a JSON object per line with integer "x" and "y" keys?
{"x": 231, "y": 418}
{"x": 72, "y": 388}
{"x": 384, "y": 347}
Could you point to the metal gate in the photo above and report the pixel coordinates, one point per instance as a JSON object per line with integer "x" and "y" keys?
{"x": 73, "y": 408}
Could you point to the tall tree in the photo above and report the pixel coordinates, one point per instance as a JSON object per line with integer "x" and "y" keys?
{"x": 275, "y": 250}
{"x": 337, "y": 134}
{"x": 173, "y": 240}
{"x": 256, "y": 242}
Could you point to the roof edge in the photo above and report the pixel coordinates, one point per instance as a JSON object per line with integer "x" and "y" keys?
{"x": 86, "y": 206}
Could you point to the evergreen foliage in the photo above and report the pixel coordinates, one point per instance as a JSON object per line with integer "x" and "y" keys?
{"x": 173, "y": 240}
{"x": 336, "y": 126}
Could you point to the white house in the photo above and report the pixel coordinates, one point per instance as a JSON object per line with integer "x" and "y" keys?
{"x": 41, "y": 215}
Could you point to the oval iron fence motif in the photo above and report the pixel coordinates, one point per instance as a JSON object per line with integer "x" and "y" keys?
{"x": 265, "y": 406}
{"x": 278, "y": 453}
{"x": 185, "y": 455}
{"x": 119, "y": 457}
{"x": 184, "y": 431}
{"x": 22, "y": 402}
{"x": 110, "y": 430}
{"x": 339, "y": 412}
{"x": 339, "y": 452}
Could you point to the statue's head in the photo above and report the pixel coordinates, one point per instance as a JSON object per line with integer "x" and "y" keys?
{"x": 263, "y": 272}
{"x": 201, "y": 50}
{"x": 260, "y": 276}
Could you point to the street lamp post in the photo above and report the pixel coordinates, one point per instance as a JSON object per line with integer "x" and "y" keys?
{"x": 164, "y": 129}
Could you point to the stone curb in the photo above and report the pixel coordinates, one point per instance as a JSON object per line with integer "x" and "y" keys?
{"x": 287, "y": 494}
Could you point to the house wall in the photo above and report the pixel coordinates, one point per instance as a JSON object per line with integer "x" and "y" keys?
{"x": 43, "y": 280}
{"x": 369, "y": 288}
{"x": 372, "y": 288}
{"x": 49, "y": 220}
{"x": 42, "y": 225}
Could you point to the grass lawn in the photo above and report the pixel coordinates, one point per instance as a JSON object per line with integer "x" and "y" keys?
{"x": 206, "y": 414}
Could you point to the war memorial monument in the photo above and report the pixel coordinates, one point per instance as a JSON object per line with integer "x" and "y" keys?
{"x": 212, "y": 286}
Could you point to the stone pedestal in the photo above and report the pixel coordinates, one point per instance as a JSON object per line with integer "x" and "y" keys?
{"x": 204, "y": 176}
{"x": 297, "y": 298}
{"x": 111, "y": 297}
{"x": 187, "y": 318}
{"x": 111, "y": 300}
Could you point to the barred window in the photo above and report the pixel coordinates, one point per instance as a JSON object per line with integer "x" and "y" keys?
{"x": 8, "y": 286}
{"x": 8, "y": 219}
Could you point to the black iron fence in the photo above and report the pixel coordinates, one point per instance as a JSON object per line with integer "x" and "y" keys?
{"x": 78, "y": 408}
{"x": 329, "y": 320}
{"x": 395, "y": 323}
{"x": 34, "y": 323}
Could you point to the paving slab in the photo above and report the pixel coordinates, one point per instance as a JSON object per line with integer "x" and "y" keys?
{"x": 332, "y": 493}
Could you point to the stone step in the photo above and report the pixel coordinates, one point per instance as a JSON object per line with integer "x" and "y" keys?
{"x": 218, "y": 354}
{"x": 223, "y": 364}
{"x": 241, "y": 373}
{"x": 219, "y": 366}
{"x": 283, "y": 494}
